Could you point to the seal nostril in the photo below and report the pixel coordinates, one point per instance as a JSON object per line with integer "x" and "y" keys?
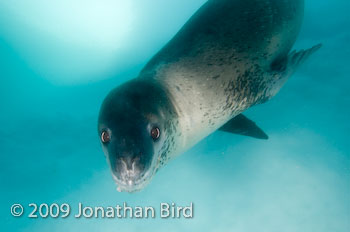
{"x": 127, "y": 162}
{"x": 136, "y": 159}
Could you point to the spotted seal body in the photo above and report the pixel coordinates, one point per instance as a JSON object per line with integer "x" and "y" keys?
{"x": 231, "y": 55}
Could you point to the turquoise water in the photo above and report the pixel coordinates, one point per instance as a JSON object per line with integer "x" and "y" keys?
{"x": 58, "y": 60}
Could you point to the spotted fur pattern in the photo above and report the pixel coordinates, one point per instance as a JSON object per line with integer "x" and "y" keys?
{"x": 225, "y": 59}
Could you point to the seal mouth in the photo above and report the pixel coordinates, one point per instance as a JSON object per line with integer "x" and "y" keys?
{"x": 129, "y": 183}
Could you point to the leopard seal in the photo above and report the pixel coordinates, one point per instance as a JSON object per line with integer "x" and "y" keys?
{"x": 228, "y": 57}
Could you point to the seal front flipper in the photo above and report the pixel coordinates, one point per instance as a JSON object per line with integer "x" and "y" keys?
{"x": 243, "y": 126}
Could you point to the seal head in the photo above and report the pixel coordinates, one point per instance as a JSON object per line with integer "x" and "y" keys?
{"x": 132, "y": 130}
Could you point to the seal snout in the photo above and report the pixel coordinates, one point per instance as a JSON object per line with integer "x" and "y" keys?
{"x": 128, "y": 169}
{"x": 129, "y": 173}
{"x": 129, "y": 163}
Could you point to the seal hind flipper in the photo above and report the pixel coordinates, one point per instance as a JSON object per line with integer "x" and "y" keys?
{"x": 297, "y": 58}
{"x": 282, "y": 68}
{"x": 294, "y": 59}
{"x": 243, "y": 126}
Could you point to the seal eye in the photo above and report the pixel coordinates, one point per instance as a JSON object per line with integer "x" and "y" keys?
{"x": 105, "y": 137}
{"x": 155, "y": 133}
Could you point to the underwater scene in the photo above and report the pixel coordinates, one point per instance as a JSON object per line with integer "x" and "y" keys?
{"x": 59, "y": 59}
